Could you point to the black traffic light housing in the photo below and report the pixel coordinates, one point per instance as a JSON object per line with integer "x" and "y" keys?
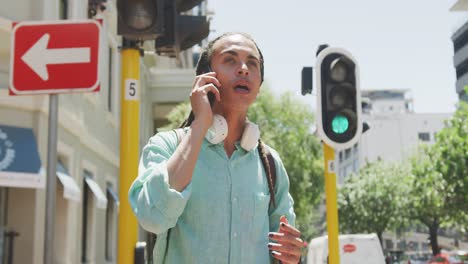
{"x": 338, "y": 98}
{"x": 140, "y": 19}
{"x": 160, "y": 20}
{"x": 181, "y": 31}
{"x": 306, "y": 80}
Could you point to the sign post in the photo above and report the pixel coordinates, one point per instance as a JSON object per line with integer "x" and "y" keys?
{"x": 52, "y": 57}
{"x": 129, "y": 149}
{"x": 50, "y": 181}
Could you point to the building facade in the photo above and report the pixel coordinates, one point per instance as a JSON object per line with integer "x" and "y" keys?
{"x": 395, "y": 130}
{"x": 460, "y": 47}
{"x": 88, "y": 140}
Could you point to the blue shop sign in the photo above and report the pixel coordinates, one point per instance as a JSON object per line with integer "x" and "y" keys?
{"x": 20, "y": 164}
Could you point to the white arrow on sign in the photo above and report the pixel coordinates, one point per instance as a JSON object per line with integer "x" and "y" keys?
{"x": 38, "y": 56}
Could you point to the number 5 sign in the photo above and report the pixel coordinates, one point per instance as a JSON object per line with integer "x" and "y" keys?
{"x": 132, "y": 90}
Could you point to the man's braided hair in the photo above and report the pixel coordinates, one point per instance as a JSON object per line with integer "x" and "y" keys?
{"x": 202, "y": 66}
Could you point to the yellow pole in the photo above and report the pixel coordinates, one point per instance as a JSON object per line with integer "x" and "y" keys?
{"x": 129, "y": 142}
{"x": 332, "y": 207}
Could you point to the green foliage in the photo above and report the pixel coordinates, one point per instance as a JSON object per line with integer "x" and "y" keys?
{"x": 428, "y": 192}
{"x": 451, "y": 148}
{"x": 433, "y": 190}
{"x": 440, "y": 178}
{"x": 177, "y": 116}
{"x": 375, "y": 199}
{"x": 441, "y": 174}
{"x": 285, "y": 125}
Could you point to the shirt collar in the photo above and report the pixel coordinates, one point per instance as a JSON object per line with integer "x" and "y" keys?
{"x": 207, "y": 144}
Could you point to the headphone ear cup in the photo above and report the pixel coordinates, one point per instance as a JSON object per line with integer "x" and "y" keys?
{"x": 218, "y": 130}
{"x": 250, "y": 136}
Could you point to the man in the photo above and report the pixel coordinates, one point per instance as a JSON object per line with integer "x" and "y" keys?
{"x": 217, "y": 202}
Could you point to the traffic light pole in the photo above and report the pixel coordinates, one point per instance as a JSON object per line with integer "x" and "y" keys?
{"x": 331, "y": 204}
{"x": 129, "y": 148}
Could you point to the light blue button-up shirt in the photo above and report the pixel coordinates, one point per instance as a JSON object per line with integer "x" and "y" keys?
{"x": 224, "y": 214}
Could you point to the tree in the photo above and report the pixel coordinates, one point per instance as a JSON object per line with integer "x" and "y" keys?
{"x": 286, "y": 125}
{"x": 452, "y": 148}
{"x": 428, "y": 193}
{"x": 374, "y": 200}
{"x": 440, "y": 179}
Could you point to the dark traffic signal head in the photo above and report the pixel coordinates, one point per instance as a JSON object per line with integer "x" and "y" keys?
{"x": 139, "y": 19}
{"x": 181, "y": 31}
{"x": 338, "y": 98}
{"x": 160, "y": 20}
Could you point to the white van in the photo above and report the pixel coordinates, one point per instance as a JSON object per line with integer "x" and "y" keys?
{"x": 354, "y": 249}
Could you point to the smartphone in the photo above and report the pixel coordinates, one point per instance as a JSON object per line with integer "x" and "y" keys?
{"x": 211, "y": 96}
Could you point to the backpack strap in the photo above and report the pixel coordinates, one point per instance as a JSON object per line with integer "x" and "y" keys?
{"x": 271, "y": 163}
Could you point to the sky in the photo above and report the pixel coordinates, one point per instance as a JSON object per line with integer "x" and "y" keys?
{"x": 398, "y": 44}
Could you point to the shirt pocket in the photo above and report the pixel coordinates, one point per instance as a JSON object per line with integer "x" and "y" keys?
{"x": 260, "y": 223}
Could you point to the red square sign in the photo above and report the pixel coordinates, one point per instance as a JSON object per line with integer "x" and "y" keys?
{"x": 54, "y": 57}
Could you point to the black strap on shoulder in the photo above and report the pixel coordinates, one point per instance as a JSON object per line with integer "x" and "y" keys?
{"x": 271, "y": 162}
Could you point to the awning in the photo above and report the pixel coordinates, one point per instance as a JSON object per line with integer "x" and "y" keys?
{"x": 101, "y": 200}
{"x": 20, "y": 163}
{"x": 71, "y": 190}
{"x": 112, "y": 194}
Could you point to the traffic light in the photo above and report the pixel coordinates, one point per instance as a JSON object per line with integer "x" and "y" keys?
{"x": 160, "y": 20}
{"x": 181, "y": 31}
{"x": 338, "y": 98}
{"x": 140, "y": 19}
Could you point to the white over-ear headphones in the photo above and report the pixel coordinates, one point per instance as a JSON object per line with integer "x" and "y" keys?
{"x": 219, "y": 130}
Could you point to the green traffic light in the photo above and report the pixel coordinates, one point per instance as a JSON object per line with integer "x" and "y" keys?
{"x": 340, "y": 124}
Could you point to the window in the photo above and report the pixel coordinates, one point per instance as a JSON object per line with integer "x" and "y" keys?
{"x": 86, "y": 218}
{"x": 461, "y": 69}
{"x": 3, "y": 207}
{"x": 460, "y": 41}
{"x": 63, "y": 9}
{"x": 61, "y": 211}
{"x": 413, "y": 245}
{"x": 109, "y": 84}
{"x": 401, "y": 244}
{"x": 388, "y": 244}
{"x": 111, "y": 221}
{"x": 424, "y": 246}
{"x": 347, "y": 153}
{"x": 356, "y": 165}
{"x": 341, "y": 156}
{"x": 341, "y": 176}
{"x": 424, "y": 136}
{"x": 93, "y": 198}
{"x": 348, "y": 170}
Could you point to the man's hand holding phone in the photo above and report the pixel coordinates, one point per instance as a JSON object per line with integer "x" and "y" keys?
{"x": 182, "y": 163}
{"x": 203, "y": 85}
